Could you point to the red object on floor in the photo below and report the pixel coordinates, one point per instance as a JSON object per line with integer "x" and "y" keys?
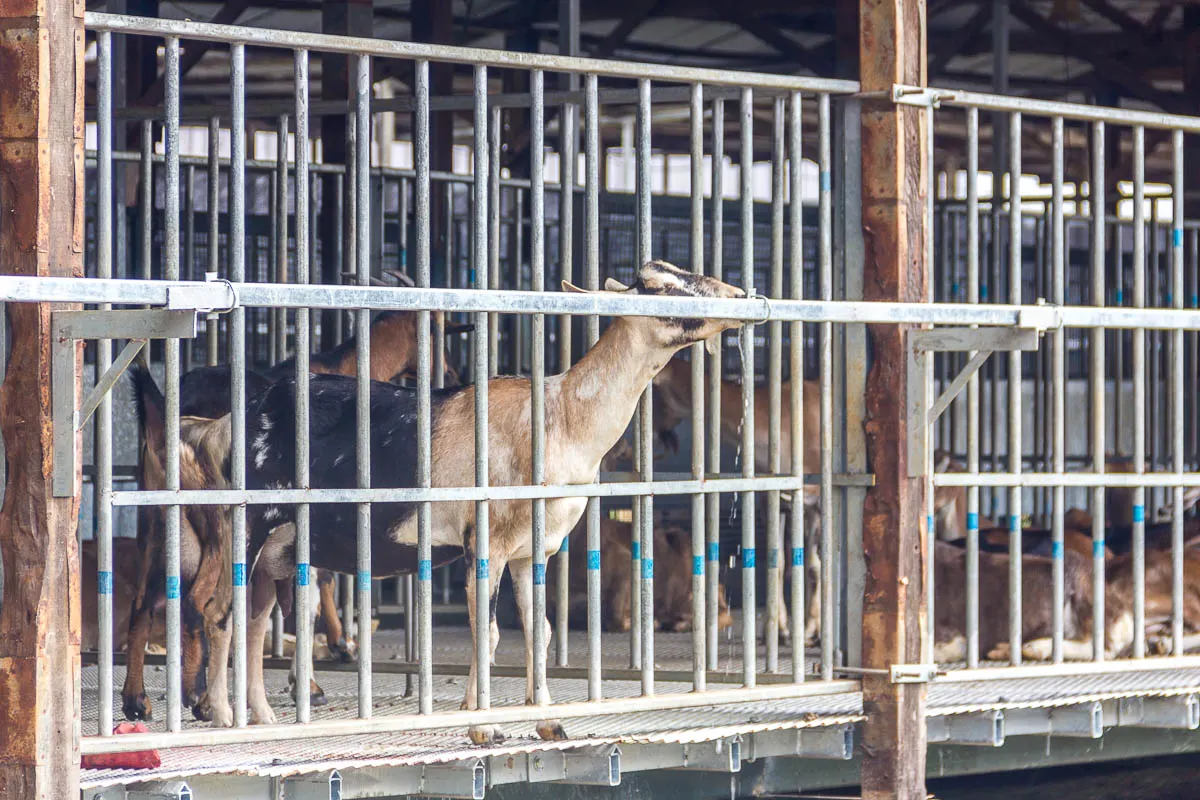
{"x": 142, "y": 759}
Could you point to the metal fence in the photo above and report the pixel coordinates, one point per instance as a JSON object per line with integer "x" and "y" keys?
{"x": 778, "y": 297}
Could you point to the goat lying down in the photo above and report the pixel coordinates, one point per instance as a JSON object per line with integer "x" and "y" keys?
{"x": 587, "y": 409}
{"x": 672, "y": 579}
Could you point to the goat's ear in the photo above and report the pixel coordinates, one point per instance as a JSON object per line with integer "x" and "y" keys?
{"x": 614, "y": 285}
{"x": 941, "y": 461}
{"x": 1190, "y": 496}
{"x": 567, "y": 286}
{"x": 459, "y": 327}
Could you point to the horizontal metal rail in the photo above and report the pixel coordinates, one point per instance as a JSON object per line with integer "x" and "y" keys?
{"x": 1043, "y": 108}
{"x": 224, "y": 497}
{"x": 461, "y": 719}
{"x": 379, "y": 48}
{"x": 1068, "y": 669}
{"x": 1068, "y": 479}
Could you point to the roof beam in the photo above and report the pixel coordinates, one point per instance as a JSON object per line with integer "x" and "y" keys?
{"x": 960, "y": 42}
{"x": 625, "y": 28}
{"x": 1119, "y": 74}
{"x": 774, "y": 38}
{"x": 195, "y": 50}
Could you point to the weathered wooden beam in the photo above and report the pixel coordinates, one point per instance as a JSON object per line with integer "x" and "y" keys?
{"x": 894, "y": 191}
{"x": 41, "y": 203}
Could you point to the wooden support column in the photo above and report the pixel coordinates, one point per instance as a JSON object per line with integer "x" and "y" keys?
{"x": 894, "y": 186}
{"x": 41, "y": 205}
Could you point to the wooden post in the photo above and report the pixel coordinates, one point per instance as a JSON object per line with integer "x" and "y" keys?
{"x": 41, "y": 203}
{"x": 894, "y": 187}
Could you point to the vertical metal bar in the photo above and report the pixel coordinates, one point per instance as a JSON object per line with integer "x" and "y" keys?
{"x": 171, "y": 272}
{"x": 421, "y": 199}
{"x": 1015, "y": 383}
{"x": 146, "y": 201}
{"x": 104, "y": 418}
{"x": 696, "y": 251}
{"x": 931, "y": 363}
{"x": 483, "y": 593}
{"x": 1177, "y": 418}
{"x": 519, "y": 348}
{"x": 1139, "y": 393}
{"x": 304, "y": 630}
{"x": 591, "y": 256}
{"x": 439, "y": 333}
{"x": 646, "y": 530}
{"x": 1058, "y": 259}
{"x": 973, "y": 296}
{"x": 494, "y": 136}
{"x": 825, "y": 254}
{"x": 279, "y": 315}
{"x": 214, "y": 232}
{"x": 237, "y": 365}
{"x": 746, "y": 346}
{"x": 1096, "y": 383}
{"x": 537, "y": 264}
{"x": 189, "y": 247}
{"x": 273, "y": 354}
{"x": 340, "y": 254}
{"x": 712, "y": 515}
{"x": 1154, "y": 340}
{"x": 796, "y": 377}
{"x": 566, "y": 255}
{"x": 362, "y": 253}
{"x": 775, "y": 393}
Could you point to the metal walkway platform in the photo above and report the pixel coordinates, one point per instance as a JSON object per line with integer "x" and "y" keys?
{"x": 601, "y": 748}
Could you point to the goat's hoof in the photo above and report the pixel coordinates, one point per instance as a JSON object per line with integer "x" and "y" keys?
{"x": 202, "y": 709}
{"x": 316, "y": 698}
{"x": 137, "y": 707}
{"x": 486, "y": 734}
{"x": 1001, "y": 652}
{"x": 262, "y": 716}
{"x": 551, "y": 730}
{"x": 347, "y": 649}
{"x": 1038, "y": 650}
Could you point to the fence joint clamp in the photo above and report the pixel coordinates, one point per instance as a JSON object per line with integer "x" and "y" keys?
{"x": 914, "y": 673}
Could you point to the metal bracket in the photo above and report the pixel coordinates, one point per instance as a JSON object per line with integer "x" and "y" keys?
{"x": 722, "y": 755}
{"x": 923, "y": 410}
{"x": 917, "y": 96}
{"x": 68, "y": 327}
{"x": 982, "y": 729}
{"x": 466, "y": 779}
{"x": 587, "y": 766}
{"x": 161, "y": 790}
{"x": 827, "y": 742}
{"x": 321, "y": 786}
{"x": 1082, "y": 721}
{"x": 1180, "y": 712}
{"x": 914, "y": 673}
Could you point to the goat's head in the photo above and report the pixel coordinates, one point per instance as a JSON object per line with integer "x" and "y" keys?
{"x": 663, "y": 279}
{"x": 949, "y": 502}
{"x": 395, "y": 332}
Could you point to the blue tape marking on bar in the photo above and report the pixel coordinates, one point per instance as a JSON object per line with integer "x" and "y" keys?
{"x": 983, "y": 291}
{"x": 826, "y": 181}
{"x": 1195, "y": 300}
{"x": 797, "y": 556}
{"x": 1169, "y": 298}
{"x": 1120, "y": 297}
{"x": 364, "y": 581}
{"x": 539, "y": 574}
{"x": 647, "y": 569}
{"x": 173, "y": 587}
{"x": 697, "y": 565}
{"x": 637, "y": 550}
{"x": 302, "y": 574}
{"x": 972, "y": 521}
{"x": 1056, "y": 549}
{"x": 403, "y": 258}
{"x": 748, "y": 558}
{"x": 773, "y": 558}
{"x": 239, "y": 574}
{"x": 714, "y": 551}
{"x": 954, "y": 289}
{"x": 1139, "y": 513}
{"x": 1014, "y": 523}
{"x": 565, "y": 547}
{"x": 481, "y": 568}
{"x": 593, "y": 559}
{"x": 928, "y": 522}
{"x": 424, "y": 570}
{"x": 1098, "y": 548}
{"x": 1177, "y": 237}
{"x": 104, "y": 582}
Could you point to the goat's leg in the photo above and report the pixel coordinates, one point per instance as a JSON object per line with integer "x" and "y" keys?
{"x": 214, "y": 706}
{"x": 785, "y": 628}
{"x": 522, "y": 576}
{"x": 481, "y": 734}
{"x": 316, "y": 695}
{"x": 263, "y": 592}
{"x": 335, "y": 634}
{"x": 141, "y": 622}
{"x": 953, "y": 650}
{"x": 193, "y": 680}
{"x": 812, "y": 626}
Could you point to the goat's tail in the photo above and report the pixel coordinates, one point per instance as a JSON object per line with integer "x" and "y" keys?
{"x": 151, "y": 405}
